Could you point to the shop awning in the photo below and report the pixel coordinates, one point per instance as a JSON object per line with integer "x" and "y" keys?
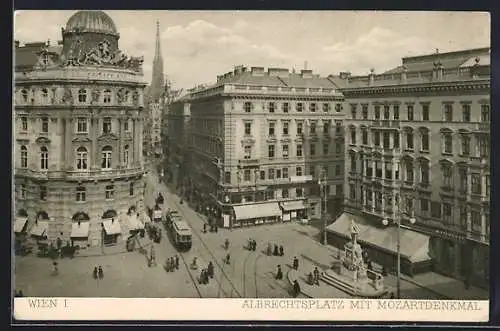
{"x": 80, "y": 230}
{"x": 19, "y": 224}
{"x": 134, "y": 222}
{"x": 414, "y": 245}
{"x": 293, "y": 205}
{"x": 40, "y": 229}
{"x": 111, "y": 226}
{"x": 259, "y": 210}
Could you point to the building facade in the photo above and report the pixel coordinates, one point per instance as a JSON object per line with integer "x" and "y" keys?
{"x": 418, "y": 148}
{"x": 78, "y": 121}
{"x": 259, "y": 142}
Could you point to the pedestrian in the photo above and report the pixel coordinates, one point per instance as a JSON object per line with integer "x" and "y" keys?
{"x": 296, "y": 288}
{"x": 269, "y": 249}
{"x": 101, "y": 272}
{"x": 228, "y": 259}
{"x": 205, "y": 227}
{"x": 310, "y": 279}
{"x": 279, "y": 273}
{"x": 55, "y": 270}
{"x": 202, "y": 277}
{"x": 172, "y": 264}
{"x": 316, "y": 275}
{"x": 210, "y": 269}
{"x": 295, "y": 263}
{"x": 205, "y": 276}
{"x": 94, "y": 273}
{"x": 254, "y": 245}
{"x": 21, "y": 293}
{"x": 275, "y": 252}
{"x": 176, "y": 261}
{"x": 282, "y": 250}
{"x": 392, "y": 295}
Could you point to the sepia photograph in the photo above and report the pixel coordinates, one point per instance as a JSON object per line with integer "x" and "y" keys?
{"x": 251, "y": 155}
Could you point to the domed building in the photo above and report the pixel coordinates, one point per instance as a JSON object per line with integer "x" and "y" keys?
{"x": 78, "y": 122}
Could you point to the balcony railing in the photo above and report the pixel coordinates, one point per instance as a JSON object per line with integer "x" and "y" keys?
{"x": 95, "y": 174}
{"x": 386, "y": 124}
{"x": 248, "y": 161}
{"x": 483, "y": 127}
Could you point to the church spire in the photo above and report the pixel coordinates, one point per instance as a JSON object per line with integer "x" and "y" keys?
{"x": 157, "y": 79}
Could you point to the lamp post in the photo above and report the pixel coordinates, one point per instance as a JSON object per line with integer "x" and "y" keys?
{"x": 397, "y": 220}
{"x": 323, "y": 181}
{"x": 256, "y": 173}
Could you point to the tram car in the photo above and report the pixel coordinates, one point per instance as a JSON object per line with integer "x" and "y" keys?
{"x": 157, "y": 214}
{"x": 181, "y": 235}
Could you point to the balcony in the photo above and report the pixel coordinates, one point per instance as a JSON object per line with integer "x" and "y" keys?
{"x": 385, "y": 124}
{"x": 483, "y": 127}
{"x": 39, "y": 174}
{"x": 250, "y": 161}
{"x": 97, "y": 174}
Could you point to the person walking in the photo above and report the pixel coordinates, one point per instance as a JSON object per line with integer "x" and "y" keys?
{"x": 296, "y": 288}
{"x": 279, "y": 273}
{"x": 295, "y": 263}
{"x": 177, "y": 262}
{"x": 269, "y": 249}
{"x": 172, "y": 264}
{"x": 282, "y": 250}
{"x": 94, "y": 273}
{"x": 100, "y": 272}
{"x": 228, "y": 259}
{"x": 254, "y": 244}
{"x": 210, "y": 269}
{"x": 316, "y": 276}
{"x": 275, "y": 251}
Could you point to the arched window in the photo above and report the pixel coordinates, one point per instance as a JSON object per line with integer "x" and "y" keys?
{"x": 24, "y": 157}
{"x": 82, "y": 95}
{"x": 42, "y": 215}
{"x": 126, "y": 97}
{"x": 24, "y": 96}
{"x": 81, "y": 194}
{"x": 126, "y": 155}
{"x": 424, "y": 139}
{"x": 44, "y": 158}
{"x": 107, "y": 96}
{"x": 45, "y": 95}
{"x": 82, "y": 158}
{"x": 408, "y": 164}
{"x": 424, "y": 171}
{"x": 106, "y": 154}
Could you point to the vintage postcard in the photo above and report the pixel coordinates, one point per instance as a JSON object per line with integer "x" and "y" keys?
{"x": 251, "y": 165}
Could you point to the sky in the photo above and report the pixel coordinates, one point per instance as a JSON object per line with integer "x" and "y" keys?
{"x": 199, "y": 45}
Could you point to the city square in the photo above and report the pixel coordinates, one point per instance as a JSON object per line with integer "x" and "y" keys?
{"x": 374, "y": 185}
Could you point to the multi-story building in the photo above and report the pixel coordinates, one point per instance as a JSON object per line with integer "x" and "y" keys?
{"x": 418, "y": 148}
{"x": 77, "y": 135}
{"x": 259, "y": 141}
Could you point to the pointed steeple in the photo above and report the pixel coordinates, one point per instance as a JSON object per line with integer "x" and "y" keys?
{"x": 157, "y": 79}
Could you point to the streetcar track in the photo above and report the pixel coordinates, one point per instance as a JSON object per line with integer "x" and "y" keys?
{"x": 255, "y": 276}
{"x": 244, "y": 273}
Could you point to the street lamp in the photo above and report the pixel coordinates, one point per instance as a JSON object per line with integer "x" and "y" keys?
{"x": 256, "y": 173}
{"x": 397, "y": 220}
{"x": 323, "y": 181}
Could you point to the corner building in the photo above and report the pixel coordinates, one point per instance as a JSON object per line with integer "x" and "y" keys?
{"x": 77, "y": 135}
{"x": 418, "y": 145}
{"x": 259, "y": 141}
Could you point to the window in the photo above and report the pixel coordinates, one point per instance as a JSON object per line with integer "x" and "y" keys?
{"x": 409, "y": 140}
{"x": 286, "y": 107}
{"x": 338, "y": 148}
{"x": 339, "y": 189}
{"x": 484, "y": 146}
{"x": 247, "y": 153}
{"x": 131, "y": 189}
{"x": 446, "y": 211}
{"x": 298, "y": 171}
{"x": 485, "y": 113}
{"x": 300, "y": 127}
{"x": 424, "y": 147}
{"x": 386, "y": 142}
{"x": 300, "y": 107}
{"x": 262, "y": 175}
{"x": 106, "y": 125}
{"x": 353, "y": 162}
{"x": 462, "y": 174}
{"x": 377, "y": 112}
{"x": 353, "y": 136}
{"x": 448, "y": 113}
{"x": 45, "y": 95}
{"x": 424, "y": 172}
{"x": 424, "y": 206}
{"x": 447, "y": 175}
{"x": 107, "y": 96}
{"x": 465, "y": 113}
{"x": 476, "y": 184}
{"x": 326, "y": 126}
{"x": 326, "y": 148}
{"x": 110, "y": 192}
{"x": 126, "y": 126}
{"x": 247, "y": 106}
{"x": 248, "y": 128}
{"x": 425, "y": 112}
{"x": 81, "y": 194}
{"x": 364, "y": 112}
{"x": 299, "y": 150}
{"x": 313, "y": 127}
{"x": 337, "y": 170}
{"x": 409, "y": 110}
{"x": 298, "y": 192}
{"x": 326, "y": 107}
{"x": 24, "y": 124}
{"x": 376, "y": 138}
{"x": 45, "y": 124}
{"x": 270, "y": 151}
{"x": 22, "y": 193}
{"x": 388, "y": 170}
{"x": 285, "y": 128}
{"x": 475, "y": 218}
{"x": 285, "y": 151}
{"x": 271, "y": 107}
{"x": 82, "y": 95}
{"x": 378, "y": 169}
{"x": 43, "y": 192}
{"x": 246, "y": 175}
{"x": 387, "y": 112}
{"x": 81, "y": 125}
{"x": 364, "y": 136}
{"x": 447, "y": 143}
{"x": 353, "y": 112}
{"x": 409, "y": 171}
{"x": 271, "y": 128}
{"x": 463, "y": 216}
{"x": 24, "y": 157}
{"x": 465, "y": 145}
{"x": 106, "y": 155}
{"x": 24, "y": 96}
{"x": 270, "y": 174}
{"x": 435, "y": 210}
{"x": 44, "y": 158}
{"x": 227, "y": 177}
{"x": 126, "y": 151}
{"x": 312, "y": 107}
{"x": 396, "y": 112}
{"x": 81, "y": 158}
{"x": 312, "y": 149}
{"x": 284, "y": 173}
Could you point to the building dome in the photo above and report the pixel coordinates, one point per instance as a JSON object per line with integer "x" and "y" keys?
{"x": 91, "y": 21}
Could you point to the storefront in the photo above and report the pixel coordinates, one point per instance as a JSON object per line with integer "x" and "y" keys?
{"x": 294, "y": 210}
{"x": 80, "y": 234}
{"x": 111, "y": 231}
{"x": 381, "y": 243}
{"x": 254, "y": 214}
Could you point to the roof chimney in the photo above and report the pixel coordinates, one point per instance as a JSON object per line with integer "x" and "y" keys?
{"x": 344, "y": 75}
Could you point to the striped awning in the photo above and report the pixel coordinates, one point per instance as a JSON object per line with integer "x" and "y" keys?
{"x": 80, "y": 230}
{"x": 40, "y": 229}
{"x": 260, "y": 210}
{"x": 19, "y": 224}
{"x": 293, "y": 205}
{"x": 111, "y": 226}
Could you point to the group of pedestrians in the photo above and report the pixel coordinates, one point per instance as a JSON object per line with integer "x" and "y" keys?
{"x": 313, "y": 277}
{"x": 172, "y": 264}
{"x": 275, "y": 250}
{"x": 98, "y": 273}
{"x": 207, "y": 273}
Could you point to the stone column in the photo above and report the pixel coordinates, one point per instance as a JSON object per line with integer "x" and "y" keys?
{"x": 95, "y": 134}
{"x": 139, "y": 141}
{"x": 391, "y": 140}
{"x": 374, "y": 168}
{"x": 136, "y": 141}
{"x": 120, "y": 141}
{"x": 469, "y": 183}
{"x": 483, "y": 184}
{"x": 383, "y": 168}
{"x": 373, "y": 200}
{"x": 483, "y": 224}
{"x": 68, "y": 144}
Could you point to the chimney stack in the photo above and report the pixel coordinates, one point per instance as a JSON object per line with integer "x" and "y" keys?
{"x": 345, "y": 75}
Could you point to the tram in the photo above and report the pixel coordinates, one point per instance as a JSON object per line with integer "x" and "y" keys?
{"x": 181, "y": 235}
